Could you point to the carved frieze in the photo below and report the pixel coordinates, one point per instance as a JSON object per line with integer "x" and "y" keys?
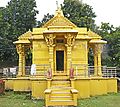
{"x": 50, "y": 39}
{"x": 70, "y": 39}
{"x": 98, "y": 49}
{"x": 20, "y": 49}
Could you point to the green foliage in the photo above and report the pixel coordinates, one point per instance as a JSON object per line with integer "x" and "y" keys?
{"x": 46, "y": 18}
{"x": 15, "y": 19}
{"x": 111, "y": 53}
{"x": 20, "y": 14}
{"x": 79, "y": 13}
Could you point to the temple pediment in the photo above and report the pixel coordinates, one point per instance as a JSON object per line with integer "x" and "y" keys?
{"x": 59, "y": 20}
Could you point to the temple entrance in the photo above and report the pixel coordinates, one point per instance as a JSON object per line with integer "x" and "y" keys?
{"x": 60, "y": 61}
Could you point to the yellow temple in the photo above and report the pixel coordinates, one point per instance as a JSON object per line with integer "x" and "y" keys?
{"x": 60, "y": 63}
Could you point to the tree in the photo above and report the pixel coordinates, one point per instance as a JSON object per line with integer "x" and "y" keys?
{"x": 114, "y": 47}
{"x": 111, "y": 52}
{"x": 17, "y": 17}
{"x": 79, "y": 13}
{"x": 20, "y": 14}
{"x": 46, "y": 18}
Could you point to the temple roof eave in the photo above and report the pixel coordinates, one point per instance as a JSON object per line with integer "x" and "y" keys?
{"x": 59, "y": 31}
{"x": 22, "y": 42}
{"x": 97, "y": 41}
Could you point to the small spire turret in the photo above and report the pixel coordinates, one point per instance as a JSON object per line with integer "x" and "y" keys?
{"x": 58, "y": 12}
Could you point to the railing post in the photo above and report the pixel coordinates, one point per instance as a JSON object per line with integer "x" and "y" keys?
{"x": 49, "y": 74}
{"x": 71, "y": 72}
{"x": 48, "y": 83}
{"x": 75, "y": 93}
{"x": 47, "y": 97}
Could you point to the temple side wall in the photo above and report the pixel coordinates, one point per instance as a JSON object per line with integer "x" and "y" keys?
{"x": 38, "y": 88}
{"x": 98, "y": 86}
{"x": 80, "y": 55}
{"x": 9, "y": 84}
{"x": 83, "y": 87}
{"x": 112, "y": 85}
{"x": 40, "y": 54}
{"x": 22, "y": 84}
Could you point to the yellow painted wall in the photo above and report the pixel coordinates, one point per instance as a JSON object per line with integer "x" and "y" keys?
{"x": 22, "y": 84}
{"x": 40, "y": 55}
{"x": 112, "y": 85}
{"x": 80, "y": 55}
{"x": 82, "y": 85}
{"x": 8, "y": 84}
{"x": 98, "y": 86}
{"x": 40, "y": 52}
{"x": 38, "y": 88}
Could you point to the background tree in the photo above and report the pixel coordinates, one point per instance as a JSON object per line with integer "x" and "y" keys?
{"x": 111, "y": 52}
{"x": 46, "y": 18}
{"x": 19, "y": 16}
{"x": 79, "y": 13}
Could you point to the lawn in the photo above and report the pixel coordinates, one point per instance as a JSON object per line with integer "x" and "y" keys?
{"x": 11, "y": 99}
{"x": 110, "y": 100}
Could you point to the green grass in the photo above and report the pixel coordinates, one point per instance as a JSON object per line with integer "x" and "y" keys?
{"x": 110, "y": 100}
{"x": 11, "y": 99}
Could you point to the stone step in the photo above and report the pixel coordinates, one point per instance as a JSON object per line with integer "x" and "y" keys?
{"x": 61, "y": 102}
{"x": 60, "y": 77}
{"x": 61, "y": 98}
{"x": 61, "y": 94}
{"x": 60, "y": 81}
{"x": 60, "y": 88}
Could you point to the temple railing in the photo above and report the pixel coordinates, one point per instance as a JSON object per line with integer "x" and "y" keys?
{"x": 39, "y": 70}
{"x": 89, "y": 71}
{"x": 42, "y": 70}
{"x": 79, "y": 71}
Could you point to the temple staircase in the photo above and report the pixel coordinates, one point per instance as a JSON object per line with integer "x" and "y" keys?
{"x": 60, "y": 92}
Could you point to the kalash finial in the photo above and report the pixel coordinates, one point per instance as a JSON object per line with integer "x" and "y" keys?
{"x": 58, "y": 12}
{"x": 57, "y": 5}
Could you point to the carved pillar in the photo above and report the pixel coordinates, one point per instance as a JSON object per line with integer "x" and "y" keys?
{"x": 97, "y": 59}
{"x": 70, "y": 42}
{"x": 69, "y": 59}
{"x": 51, "y": 56}
{"x": 23, "y": 69}
{"x": 50, "y": 43}
{"x": 21, "y": 52}
{"x": 95, "y": 62}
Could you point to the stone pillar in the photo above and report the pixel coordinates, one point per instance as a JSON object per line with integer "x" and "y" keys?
{"x": 21, "y": 52}
{"x": 20, "y": 65}
{"x": 70, "y": 42}
{"x": 23, "y": 73}
{"x": 50, "y": 43}
{"x": 97, "y": 60}
{"x": 69, "y": 59}
{"x": 51, "y": 48}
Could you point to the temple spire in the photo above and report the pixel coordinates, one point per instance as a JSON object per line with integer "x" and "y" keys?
{"x": 58, "y": 12}
{"x": 57, "y": 5}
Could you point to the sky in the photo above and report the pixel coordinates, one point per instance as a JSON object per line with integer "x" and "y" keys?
{"x": 106, "y": 10}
